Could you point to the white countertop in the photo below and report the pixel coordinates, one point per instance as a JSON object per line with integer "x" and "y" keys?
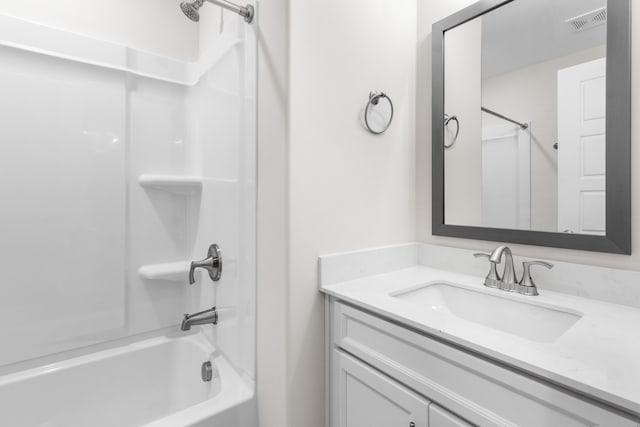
{"x": 599, "y": 355}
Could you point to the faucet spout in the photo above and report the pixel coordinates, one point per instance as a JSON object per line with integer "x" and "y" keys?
{"x": 508, "y": 281}
{"x": 200, "y": 318}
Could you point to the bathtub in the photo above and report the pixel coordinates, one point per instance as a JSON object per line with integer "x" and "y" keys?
{"x": 153, "y": 383}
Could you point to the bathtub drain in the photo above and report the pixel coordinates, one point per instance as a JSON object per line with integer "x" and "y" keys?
{"x": 206, "y": 371}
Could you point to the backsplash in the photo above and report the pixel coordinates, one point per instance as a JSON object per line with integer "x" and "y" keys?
{"x": 600, "y": 283}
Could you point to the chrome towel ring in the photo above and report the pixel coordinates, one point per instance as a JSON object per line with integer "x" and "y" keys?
{"x": 447, "y": 120}
{"x": 377, "y": 114}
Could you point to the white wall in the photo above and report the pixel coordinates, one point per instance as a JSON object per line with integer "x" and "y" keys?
{"x": 273, "y": 216}
{"x": 430, "y": 12}
{"x": 63, "y": 141}
{"x": 348, "y": 188}
{"x": 155, "y": 26}
{"x": 326, "y": 184}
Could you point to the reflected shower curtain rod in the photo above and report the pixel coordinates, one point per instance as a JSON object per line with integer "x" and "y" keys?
{"x": 524, "y": 126}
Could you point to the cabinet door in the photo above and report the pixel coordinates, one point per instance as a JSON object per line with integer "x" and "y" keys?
{"x": 439, "y": 417}
{"x": 363, "y": 397}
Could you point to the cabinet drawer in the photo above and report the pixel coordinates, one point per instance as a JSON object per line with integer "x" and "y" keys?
{"x": 480, "y": 391}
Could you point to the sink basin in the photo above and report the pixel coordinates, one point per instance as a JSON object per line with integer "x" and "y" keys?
{"x": 532, "y": 321}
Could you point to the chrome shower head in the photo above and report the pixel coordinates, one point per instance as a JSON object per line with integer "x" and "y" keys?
{"x": 190, "y": 9}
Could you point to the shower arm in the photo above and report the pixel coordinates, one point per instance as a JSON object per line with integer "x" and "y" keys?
{"x": 245, "y": 11}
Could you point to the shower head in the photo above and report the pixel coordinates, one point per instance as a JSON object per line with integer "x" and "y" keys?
{"x": 190, "y": 9}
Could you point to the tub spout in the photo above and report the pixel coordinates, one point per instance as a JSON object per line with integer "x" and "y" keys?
{"x": 200, "y": 318}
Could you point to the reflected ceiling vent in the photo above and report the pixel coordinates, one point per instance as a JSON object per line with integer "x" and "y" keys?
{"x": 588, "y": 20}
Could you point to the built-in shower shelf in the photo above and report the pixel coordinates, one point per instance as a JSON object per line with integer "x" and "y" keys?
{"x": 176, "y": 184}
{"x": 172, "y": 271}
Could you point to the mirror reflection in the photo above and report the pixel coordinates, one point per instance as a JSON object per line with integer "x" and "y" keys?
{"x": 526, "y": 85}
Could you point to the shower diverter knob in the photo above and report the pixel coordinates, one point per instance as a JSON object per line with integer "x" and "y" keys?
{"x": 212, "y": 263}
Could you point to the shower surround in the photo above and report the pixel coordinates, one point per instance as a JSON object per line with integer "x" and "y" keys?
{"x": 118, "y": 168}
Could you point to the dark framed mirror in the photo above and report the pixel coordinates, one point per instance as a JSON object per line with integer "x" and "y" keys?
{"x": 531, "y": 124}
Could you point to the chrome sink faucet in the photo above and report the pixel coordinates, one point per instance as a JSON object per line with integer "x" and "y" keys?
{"x": 508, "y": 281}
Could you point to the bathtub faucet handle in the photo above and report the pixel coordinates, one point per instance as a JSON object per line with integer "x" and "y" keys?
{"x": 212, "y": 263}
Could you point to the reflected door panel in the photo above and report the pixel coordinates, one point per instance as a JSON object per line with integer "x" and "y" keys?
{"x": 582, "y": 148}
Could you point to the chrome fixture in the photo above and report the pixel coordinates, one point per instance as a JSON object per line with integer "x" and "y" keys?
{"x": 200, "y": 318}
{"x": 448, "y": 119}
{"x": 190, "y": 9}
{"x": 370, "y": 112}
{"x": 508, "y": 281}
{"x": 212, "y": 263}
{"x": 493, "y": 279}
{"x": 206, "y": 371}
{"x": 526, "y": 285}
{"x": 523, "y": 126}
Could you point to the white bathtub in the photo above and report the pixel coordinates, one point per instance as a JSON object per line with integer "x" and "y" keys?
{"x": 152, "y": 383}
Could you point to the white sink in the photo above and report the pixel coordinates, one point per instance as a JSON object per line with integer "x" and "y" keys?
{"x": 506, "y": 313}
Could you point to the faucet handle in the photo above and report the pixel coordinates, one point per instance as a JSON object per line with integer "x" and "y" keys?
{"x": 213, "y": 264}
{"x": 493, "y": 279}
{"x": 527, "y": 285}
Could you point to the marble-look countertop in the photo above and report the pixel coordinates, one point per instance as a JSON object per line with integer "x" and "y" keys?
{"x": 599, "y": 355}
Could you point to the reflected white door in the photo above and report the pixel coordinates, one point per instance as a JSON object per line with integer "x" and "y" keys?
{"x": 582, "y": 148}
{"x": 506, "y": 177}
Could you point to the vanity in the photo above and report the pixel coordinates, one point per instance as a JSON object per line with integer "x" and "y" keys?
{"x": 410, "y": 344}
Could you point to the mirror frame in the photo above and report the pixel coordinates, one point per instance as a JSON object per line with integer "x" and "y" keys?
{"x": 618, "y": 150}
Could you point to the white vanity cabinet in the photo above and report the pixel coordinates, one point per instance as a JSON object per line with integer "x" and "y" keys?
{"x": 383, "y": 374}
